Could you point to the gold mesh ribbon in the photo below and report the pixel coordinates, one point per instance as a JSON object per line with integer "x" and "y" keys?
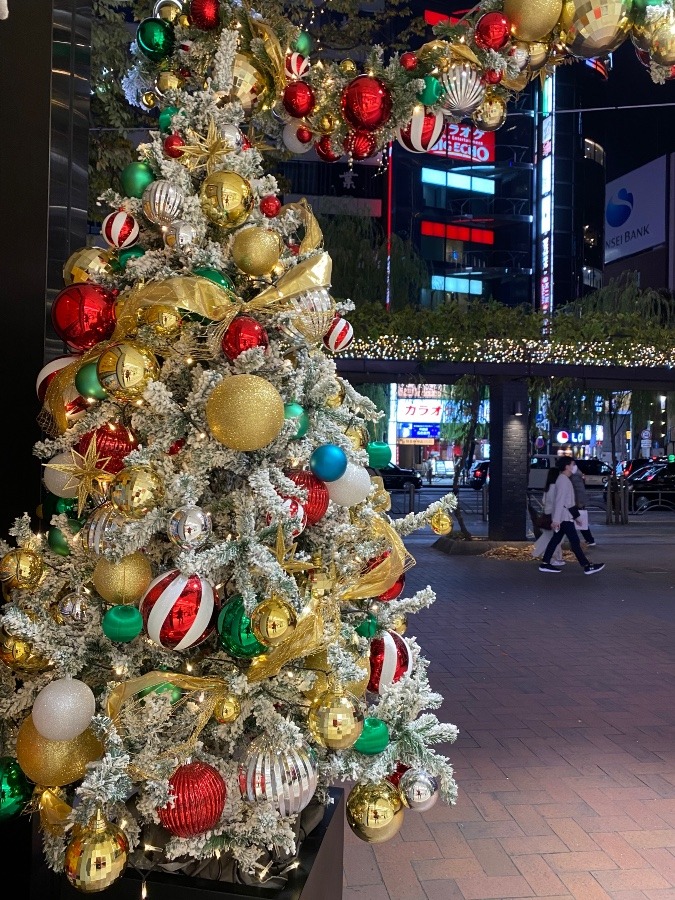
{"x": 275, "y": 62}
{"x": 313, "y": 237}
{"x": 53, "y": 809}
{"x": 375, "y": 580}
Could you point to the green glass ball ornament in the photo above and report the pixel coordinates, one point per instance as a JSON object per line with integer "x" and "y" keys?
{"x": 368, "y": 628}
{"x": 15, "y": 789}
{"x": 374, "y": 738}
{"x": 122, "y": 623}
{"x": 87, "y": 383}
{"x": 216, "y": 276}
{"x": 175, "y": 693}
{"x": 165, "y": 118}
{"x": 54, "y": 506}
{"x": 379, "y": 454}
{"x": 127, "y": 253}
{"x": 432, "y": 91}
{"x": 303, "y": 43}
{"x": 155, "y": 38}
{"x": 135, "y": 178}
{"x": 57, "y": 540}
{"x": 234, "y": 630}
{"x": 293, "y": 410}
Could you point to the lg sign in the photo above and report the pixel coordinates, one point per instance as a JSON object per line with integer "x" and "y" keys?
{"x": 570, "y": 437}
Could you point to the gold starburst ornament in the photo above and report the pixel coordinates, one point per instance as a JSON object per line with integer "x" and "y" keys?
{"x": 80, "y": 475}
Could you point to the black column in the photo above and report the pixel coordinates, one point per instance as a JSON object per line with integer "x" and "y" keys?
{"x": 507, "y": 509}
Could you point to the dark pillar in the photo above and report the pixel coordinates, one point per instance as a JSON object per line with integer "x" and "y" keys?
{"x": 44, "y": 103}
{"x": 508, "y": 461}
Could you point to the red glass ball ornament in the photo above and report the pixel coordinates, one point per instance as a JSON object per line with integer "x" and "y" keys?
{"x": 270, "y": 206}
{"x": 298, "y": 99}
{"x": 176, "y": 447}
{"x": 325, "y": 150}
{"x": 83, "y": 315}
{"x": 114, "y": 441}
{"x": 317, "y": 500}
{"x": 394, "y": 591}
{"x": 184, "y": 72}
{"x": 408, "y": 61}
{"x": 361, "y": 144}
{"x": 199, "y": 794}
{"x": 245, "y": 143}
{"x": 366, "y": 103}
{"x": 173, "y": 145}
{"x": 243, "y": 333}
{"x": 492, "y": 76}
{"x": 179, "y": 611}
{"x": 294, "y": 248}
{"x": 493, "y": 31}
{"x": 304, "y": 134}
{"x": 205, "y": 14}
{"x": 390, "y": 660}
{"x": 397, "y": 774}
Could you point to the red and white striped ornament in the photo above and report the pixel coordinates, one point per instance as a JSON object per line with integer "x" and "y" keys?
{"x": 390, "y": 660}
{"x": 295, "y": 511}
{"x": 47, "y": 372}
{"x": 296, "y": 66}
{"x": 339, "y": 336}
{"x": 179, "y": 611}
{"x": 120, "y": 230}
{"x": 422, "y": 132}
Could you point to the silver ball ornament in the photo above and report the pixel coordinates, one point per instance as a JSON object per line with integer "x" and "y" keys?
{"x": 162, "y": 202}
{"x": 232, "y": 135}
{"x": 419, "y": 789}
{"x": 179, "y": 235}
{"x": 190, "y": 527}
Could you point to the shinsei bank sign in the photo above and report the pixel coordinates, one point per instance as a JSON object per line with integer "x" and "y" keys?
{"x": 635, "y": 211}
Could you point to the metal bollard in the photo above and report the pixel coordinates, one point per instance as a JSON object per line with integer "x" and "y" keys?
{"x": 411, "y": 498}
{"x": 485, "y": 504}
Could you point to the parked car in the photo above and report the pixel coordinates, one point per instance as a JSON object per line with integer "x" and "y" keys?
{"x": 479, "y": 474}
{"x": 396, "y": 478}
{"x": 596, "y": 472}
{"x": 629, "y": 467}
{"x": 653, "y": 488}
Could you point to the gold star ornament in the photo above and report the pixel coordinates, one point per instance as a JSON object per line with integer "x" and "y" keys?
{"x": 86, "y": 472}
{"x": 206, "y": 151}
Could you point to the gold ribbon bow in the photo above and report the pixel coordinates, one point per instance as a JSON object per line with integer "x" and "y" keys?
{"x": 376, "y": 579}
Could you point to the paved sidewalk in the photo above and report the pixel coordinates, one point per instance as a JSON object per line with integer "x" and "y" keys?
{"x": 562, "y": 687}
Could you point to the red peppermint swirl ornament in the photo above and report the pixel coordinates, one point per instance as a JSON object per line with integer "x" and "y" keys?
{"x": 120, "y": 230}
{"x": 205, "y": 14}
{"x": 179, "y": 611}
{"x": 199, "y": 794}
{"x": 422, "y": 132}
{"x": 293, "y": 511}
{"x": 339, "y": 336}
{"x": 390, "y": 660}
{"x": 366, "y": 103}
{"x": 295, "y": 66}
{"x": 318, "y": 498}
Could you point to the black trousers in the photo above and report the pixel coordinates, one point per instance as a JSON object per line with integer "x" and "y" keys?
{"x": 568, "y": 530}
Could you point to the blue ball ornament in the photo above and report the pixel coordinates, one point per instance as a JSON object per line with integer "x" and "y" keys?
{"x": 328, "y": 462}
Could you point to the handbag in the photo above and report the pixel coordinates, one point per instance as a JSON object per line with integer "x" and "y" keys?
{"x": 544, "y": 521}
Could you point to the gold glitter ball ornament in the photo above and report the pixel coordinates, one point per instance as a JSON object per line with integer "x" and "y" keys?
{"x": 591, "y": 28}
{"x": 18, "y": 654}
{"x": 441, "y": 522}
{"x": 135, "y": 490}
{"x": 256, "y": 250}
{"x": 531, "y": 20}
{"x": 96, "y": 856}
{"x": 125, "y": 370}
{"x": 335, "y": 719}
{"x": 226, "y": 199}
{"x": 375, "y": 811}
{"x": 55, "y": 763}
{"x": 124, "y": 581}
{"x": 273, "y": 621}
{"x": 491, "y": 114}
{"x": 245, "y": 412}
{"x": 347, "y": 67}
{"x": 227, "y": 709}
{"x": 87, "y": 264}
{"x": 162, "y": 319}
{"x": 22, "y": 569}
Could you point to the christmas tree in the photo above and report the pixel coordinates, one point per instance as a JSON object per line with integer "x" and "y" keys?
{"x": 206, "y": 633}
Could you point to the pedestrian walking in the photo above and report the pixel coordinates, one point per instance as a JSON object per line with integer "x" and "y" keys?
{"x": 564, "y": 514}
{"x": 581, "y": 500}
{"x": 429, "y": 470}
{"x": 548, "y": 505}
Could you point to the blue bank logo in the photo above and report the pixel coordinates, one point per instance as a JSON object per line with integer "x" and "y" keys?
{"x": 619, "y": 208}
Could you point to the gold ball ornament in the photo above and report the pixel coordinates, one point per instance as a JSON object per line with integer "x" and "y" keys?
{"x": 347, "y": 67}
{"x": 149, "y": 100}
{"x": 55, "y": 763}
{"x": 21, "y": 568}
{"x": 226, "y": 199}
{"x": 531, "y": 20}
{"x": 136, "y": 490}
{"x": 227, "y": 709}
{"x": 655, "y": 34}
{"x": 441, "y": 522}
{"x": 124, "y": 581}
{"x": 326, "y": 123}
{"x": 539, "y": 53}
{"x": 273, "y": 621}
{"x": 169, "y": 10}
{"x": 248, "y": 84}
{"x": 337, "y": 399}
{"x": 96, "y": 856}
{"x": 18, "y": 654}
{"x": 87, "y": 264}
{"x": 590, "y": 28}
{"x": 256, "y": 250}
{"x": 398, "y": 623}
{"x": 435, "y": 54}
{"x": 245, "y": 412}
{"x": 519, "y": 82}
{"x": 375, "y": 811}
{"x": 184, "y": 21}
{"x": 335, "y": 719}
{"x": 491, "y": 114}
{"x": 163, "y": 320}
{"x": 168, "y": 81}
{"x": 358, "y": 435}
{"x": 125, "y": 370}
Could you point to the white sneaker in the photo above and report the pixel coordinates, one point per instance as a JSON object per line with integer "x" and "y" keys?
{"x": 557, "y": 562}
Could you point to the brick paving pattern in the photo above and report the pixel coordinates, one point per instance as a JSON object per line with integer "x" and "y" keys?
{"x": 562, "y": 689}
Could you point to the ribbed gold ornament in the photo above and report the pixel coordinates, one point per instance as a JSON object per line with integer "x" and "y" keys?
{"x": 375, "y": 811}
{"x": 591, "y": 28}
{"x": 441, "y": 522}
{"x": 21, "y": 568}
{"x": 226, "y": 199}
{"x": 273, "y": 621}
{"x": 335, "y": 719}
{"x": 96, "y": 856}
{"x": 245, "y": 412}
{"x": 55, "y": 763}
{"x": 531, "y": 20}
{"x": 126, "y": 369}
{"x": 256, "y": 250}
{"x": 124, "y": 581}
{"x": 87, "y": 264}
{"x": 136, "y": 490}
{"x": 227, "y": 709}
{"x": 18, "y": 654}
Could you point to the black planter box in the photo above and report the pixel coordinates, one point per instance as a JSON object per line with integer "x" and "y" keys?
{"x": 318, "y": 875}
